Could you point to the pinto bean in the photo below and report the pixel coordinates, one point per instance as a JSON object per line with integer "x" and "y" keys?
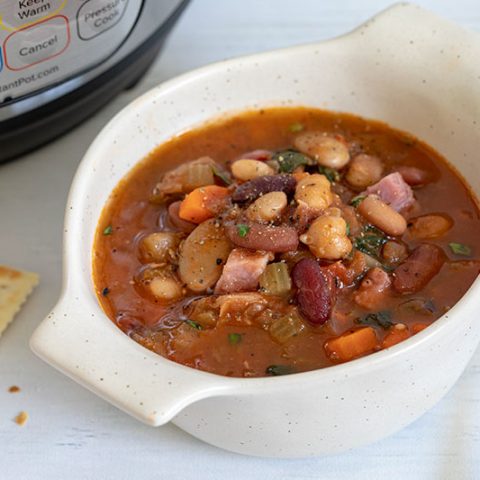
{"x": 264, "y": 237}
{"x": 173, "y": 215}
{"x": 382, "y": 216}
{"x": 364, "y": 170}
{"x": 418, "y": 269}
{"x": 328, "y": 151}
{"x": 252, "y": 189}
{"x": 430, "y": 226}
{"x": 316, "y": 291}
{"x": 248, "y": 169}
{"x": 199, "y": 266}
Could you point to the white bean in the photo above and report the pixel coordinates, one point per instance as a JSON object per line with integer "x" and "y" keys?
{"x": 364, "y": 170}
{"x": 246, "y": 169}
{"x": 382, "y": 216}
{"x": 327, "y": 150}
{"x": 159, "y": 247}
{"x": 268, "y": 207}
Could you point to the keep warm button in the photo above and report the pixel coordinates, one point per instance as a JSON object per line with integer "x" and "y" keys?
{"x": 37, "y": 43}
{"x": 97, "y": 16}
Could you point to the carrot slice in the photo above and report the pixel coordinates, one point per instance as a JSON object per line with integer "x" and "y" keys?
{"x": 352, "y": 344}
{"x": 418, "y": 327}
{"x": 199, "y": 205}
{"x": 396, "y": 334}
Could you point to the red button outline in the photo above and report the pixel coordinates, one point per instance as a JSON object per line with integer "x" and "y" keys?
{"x": 32, "y": 26}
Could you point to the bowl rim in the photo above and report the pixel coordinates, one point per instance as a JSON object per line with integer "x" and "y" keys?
{"x": 240, "y": 384}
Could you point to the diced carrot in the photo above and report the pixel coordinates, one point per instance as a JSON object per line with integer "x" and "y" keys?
{"x": 351, "y": 345}
{"x": 396, "y": 334}
{"x": 418, "y": 327}
{"x": 299, "y": 174}
{"x": 199, "y": 205}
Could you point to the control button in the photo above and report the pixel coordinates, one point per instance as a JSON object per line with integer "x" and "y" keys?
{"x": 23, "y": 13}
{"x": 97, "y": 16}
{"x": 35, "y": 44}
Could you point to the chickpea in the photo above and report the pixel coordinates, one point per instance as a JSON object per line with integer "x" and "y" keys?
{"x": 247, "y": 169}
{"x": 159, "y": 247}
{"x": 328, "y": 151}
{"x": 364, "y": 170}
{"x": 382, "y": 216}
{"x": 314, "y": 192}
{"x": 268, "y": 207}
{"x": 327, "y": 238}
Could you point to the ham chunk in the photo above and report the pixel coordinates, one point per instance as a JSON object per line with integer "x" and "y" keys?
{"x": 242, "y": 271}
{"x": 373, "y": 289}
{"x": 394, "y": 191}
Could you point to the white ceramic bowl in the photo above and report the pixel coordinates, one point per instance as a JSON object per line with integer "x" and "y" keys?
{"x": 407, "y": 67}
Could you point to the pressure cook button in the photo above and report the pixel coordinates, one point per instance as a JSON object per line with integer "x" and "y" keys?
{"x": 97, "y": 16}
{"x": 37, "y": 43}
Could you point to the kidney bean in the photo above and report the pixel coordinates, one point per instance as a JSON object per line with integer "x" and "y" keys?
{"x": 418, "y": 269}
{"x": 178, "y": 222}
{"x": 413, "y": 175}
{"x": 264, "y": 237}
{"x": 252, "y": 189}
{"x": 316, "y": 291}
{"x": 259, "y": 154}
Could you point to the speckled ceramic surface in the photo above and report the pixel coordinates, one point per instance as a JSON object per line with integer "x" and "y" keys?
{"x": 407, "y": 67}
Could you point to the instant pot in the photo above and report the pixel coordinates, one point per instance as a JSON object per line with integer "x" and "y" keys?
{"x": 60, "y": 60}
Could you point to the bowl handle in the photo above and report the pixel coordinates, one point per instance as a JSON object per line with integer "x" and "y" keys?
{"x": 79, "y": 340}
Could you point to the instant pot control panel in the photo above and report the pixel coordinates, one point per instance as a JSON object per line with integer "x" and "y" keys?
{"x": 43, "y": 42}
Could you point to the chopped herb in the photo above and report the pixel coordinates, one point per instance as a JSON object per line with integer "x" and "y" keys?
{"x": 276, "y": 370}
{"x": 460, "y": 249}
{"x": 296, "y": 127}
{"x": 370, "y": 244}
{"x": 355, "y": 201}
{"x": 289, "y": 160}
{"x": 105, "y": 291}
{"x": 332, "y": 175}
{"x": 223, "y": 176}
{"x": 193, "y": 324}
{"x": 242, "y": 229}
{"x": 108, "y": 230}
{"x": 348, "y": 229}
{"x": 380, "y": 319}
{"x": 234, "y": 338}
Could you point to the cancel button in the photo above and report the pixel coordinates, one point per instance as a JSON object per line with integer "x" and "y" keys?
{"x": 97, "y": 16}
{"x": 40, "y": 48}
{"x": 36, "y": 43}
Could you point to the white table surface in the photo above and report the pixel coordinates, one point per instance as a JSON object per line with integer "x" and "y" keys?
{"x": 71, "y": 433}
